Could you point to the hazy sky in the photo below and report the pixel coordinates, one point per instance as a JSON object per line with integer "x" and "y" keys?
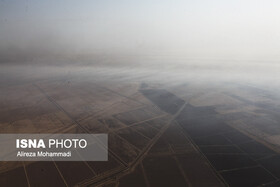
{"x": 197, "y": 28}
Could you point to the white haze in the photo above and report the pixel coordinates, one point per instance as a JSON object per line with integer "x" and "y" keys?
{"x": 181, "y": 40}
{"x": 240, "y": 29}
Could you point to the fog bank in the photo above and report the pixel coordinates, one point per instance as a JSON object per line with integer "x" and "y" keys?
{"x": 61, "y": 31}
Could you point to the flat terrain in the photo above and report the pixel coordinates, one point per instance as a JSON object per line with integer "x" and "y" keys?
{"x": 164, "y": 129}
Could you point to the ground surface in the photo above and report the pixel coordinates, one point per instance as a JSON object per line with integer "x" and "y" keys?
{"x": 163, "y": 130}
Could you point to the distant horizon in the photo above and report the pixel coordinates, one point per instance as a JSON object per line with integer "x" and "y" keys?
{"x": 201, "y": 29}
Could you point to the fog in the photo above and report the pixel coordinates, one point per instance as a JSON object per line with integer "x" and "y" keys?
{"x": 222, "y": 40}
{"x": 196, "y": 29}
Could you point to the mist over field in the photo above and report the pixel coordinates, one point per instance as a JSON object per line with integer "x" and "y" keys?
{"x": 217, "y": 40}
{"x": 187, "y": 91}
